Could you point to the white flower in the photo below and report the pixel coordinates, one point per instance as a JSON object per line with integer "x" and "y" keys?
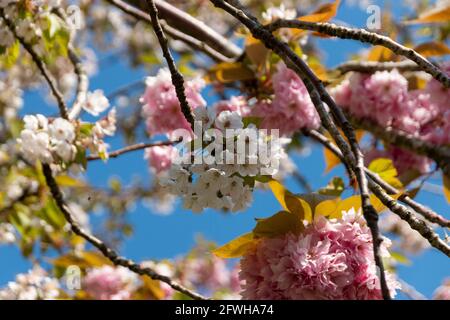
{"x": 7, "y": 233}
{"x": 62, "y": 130}
{"x": 27, "y": 30}
{"x": 31, "y": 122}
{"x": 96, "y": 102}
{"x": 205, "y": 115}
{"x": 65, "y": 151}
{"x": 6, "y": 37}
{"x": 275, "y": 13}
{"x": 31, "y": 286}
{"x": 229, "y": 120}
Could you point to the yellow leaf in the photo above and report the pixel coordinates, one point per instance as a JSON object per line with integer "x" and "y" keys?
{"x": 432, "y": 49}
{"x": 86, "y": 259}
{"x": 327, "y": 207}
{"x": 279, "y": 191}
{"x": 436, "y": 15}
{"x": 230, "y": 71}
{"x": 331, "y": 160}
{"x": 256, "y": 51}
{"x": 297, "y": 206}
{"x": 446, "y": 182}
{"x": 236, "y": 247}
{"x": 385, "y": 169}
{"x": 323, "y": 14}
{"x": 355, "y": 203}
{"x": 280, "y": 223}
{"x": 380, "y": 54}
{"x": 68, "y": 181}
{"x": 153, "y": 287}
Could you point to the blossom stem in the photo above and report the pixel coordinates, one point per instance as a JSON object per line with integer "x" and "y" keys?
{"x": 134, "y": 147}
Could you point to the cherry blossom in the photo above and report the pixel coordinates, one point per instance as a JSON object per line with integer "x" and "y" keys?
{"x": 330, "y": 259}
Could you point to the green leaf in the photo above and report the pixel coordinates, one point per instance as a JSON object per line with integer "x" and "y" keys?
{"x": 11, "y": 55}
{"x": 68, "y": 181}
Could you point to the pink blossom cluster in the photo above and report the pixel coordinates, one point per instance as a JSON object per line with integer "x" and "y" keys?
{"x": 403, "y": 160}
{"x": 291, "y": 108}
{"x": 210, "y": 274}
{"x": 110, "y": 283}
{"x": 160, "y": 157}
{"x": 443, "y": 292}
{"x": 330, "y": 260}
{"x": 384, "y": 98}
{"x": 161, "y": 107}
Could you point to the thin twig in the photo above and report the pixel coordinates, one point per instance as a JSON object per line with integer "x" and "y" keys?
{"x": 82, "y": 78}
{"x": 41, "y": 66}
{"x": 104, "y": 249}
{"x": 317, "y": 92}
{"x": 410, "y": 291}
{"x": 177, "y": 78}
{"x": 131, "y": 148}
{"x": 366, "y": 37}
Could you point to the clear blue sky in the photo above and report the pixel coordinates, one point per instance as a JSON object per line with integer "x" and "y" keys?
{"x": 158, "y": 236}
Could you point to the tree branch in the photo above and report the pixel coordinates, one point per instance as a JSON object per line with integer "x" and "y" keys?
{"x": 104, "y": 249}
{"x": 177, "y": 78}
{"x": 373, "y": 66}
{"x": 41, "y": 66}
{"x": 366, "y": 37}
{"x": 134, "y": 147}
{"x": 317, "y": 92}
{"x": 440, "y": 154}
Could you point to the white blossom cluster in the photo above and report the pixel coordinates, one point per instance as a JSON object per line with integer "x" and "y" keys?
{"x": 34, "y": 285}
{"x": 47, "y": 141}
{"x": 7, "y": 233}
{"x": 226, "y": 182}
{"x": 29, "y": 28}
{"x": 54, "y": 141}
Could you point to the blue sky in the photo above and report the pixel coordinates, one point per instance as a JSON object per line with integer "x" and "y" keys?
{"x": 157, "y": 236}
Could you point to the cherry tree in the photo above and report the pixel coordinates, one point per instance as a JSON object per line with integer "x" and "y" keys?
{"x": 233, "y": 90}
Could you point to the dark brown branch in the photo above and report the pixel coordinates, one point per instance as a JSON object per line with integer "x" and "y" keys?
{"x": 104, "y": 249}
{"x": 134, "y": 147}
{"x": 366, "y": 37}
{"x": 402, "y": 211}
{"x": 41, "y": 66}
{"x": 177, "y": 78}
{"x": 317, "y": 92}
{"x": 373, "y": 66}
